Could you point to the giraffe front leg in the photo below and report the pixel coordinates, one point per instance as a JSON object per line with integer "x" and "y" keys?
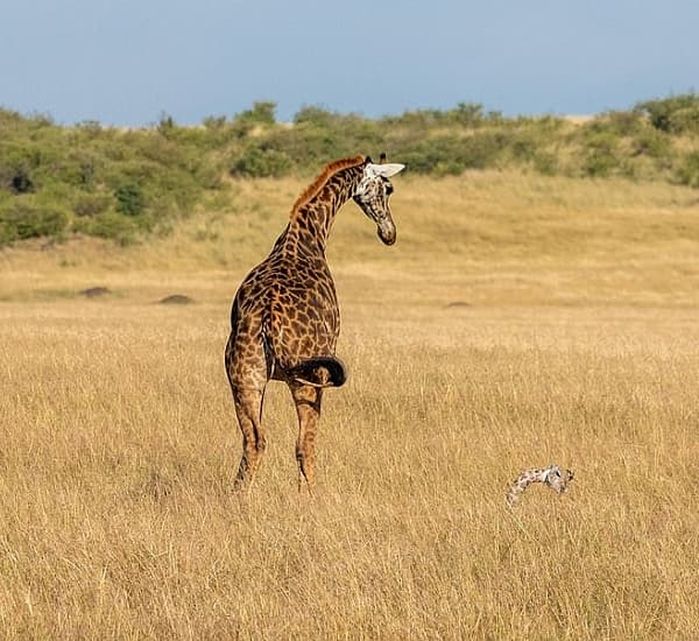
{"x": 248, "y": 407}
{"x": 307, "y": 400}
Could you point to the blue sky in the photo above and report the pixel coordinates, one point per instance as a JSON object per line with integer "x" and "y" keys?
{"x": 127, "y": 61}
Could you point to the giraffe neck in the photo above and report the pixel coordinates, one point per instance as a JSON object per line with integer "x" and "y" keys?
{"x": 310, "y": 225}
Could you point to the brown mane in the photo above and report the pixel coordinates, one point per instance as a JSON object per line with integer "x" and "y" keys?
{"x": 328, "y": 172}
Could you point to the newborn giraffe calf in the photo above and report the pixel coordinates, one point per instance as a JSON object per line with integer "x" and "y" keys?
{"x": 552, "y": 476}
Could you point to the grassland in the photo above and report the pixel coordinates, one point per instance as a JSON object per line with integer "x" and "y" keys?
{"x": 520, "y": 320}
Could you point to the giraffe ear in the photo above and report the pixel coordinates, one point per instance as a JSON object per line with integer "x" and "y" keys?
{"x": 387, "y": 170}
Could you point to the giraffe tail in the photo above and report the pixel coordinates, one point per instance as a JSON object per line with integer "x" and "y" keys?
{"x": 320, "y": 371}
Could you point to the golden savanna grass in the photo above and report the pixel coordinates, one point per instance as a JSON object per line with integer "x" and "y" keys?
{"x": 519, "y": 321}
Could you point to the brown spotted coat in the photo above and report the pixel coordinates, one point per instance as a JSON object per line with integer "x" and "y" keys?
{"x": 285, "y": 319}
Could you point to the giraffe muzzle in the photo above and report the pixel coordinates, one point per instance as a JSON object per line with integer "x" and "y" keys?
{"x": 387, "y": 232}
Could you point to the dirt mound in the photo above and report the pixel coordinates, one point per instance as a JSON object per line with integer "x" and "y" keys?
{"x": 95, "y": 292}
{"x": 176, "y": 299}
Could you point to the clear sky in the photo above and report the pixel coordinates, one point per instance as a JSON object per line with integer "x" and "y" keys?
{"x": 127, "y": 61}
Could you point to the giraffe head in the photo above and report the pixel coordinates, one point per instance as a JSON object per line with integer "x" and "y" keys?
{"x": 372, "y": 194}
{"x": 557, "y": 479}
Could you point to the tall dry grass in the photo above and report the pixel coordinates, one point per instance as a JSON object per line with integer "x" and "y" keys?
{"x": 520, "y": 321}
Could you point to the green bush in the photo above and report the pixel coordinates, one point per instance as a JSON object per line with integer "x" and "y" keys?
{"x": 545, "y": 163}
{"x": 482, "y": 150}
{"x": 129, "y": 199}
{"x": 601, "y": 159}
{"x": 677, "y": 114}
{"x": 262, "y": 113}
{"x": 617, "y": 123}
{"x": 319, "y": 136}
{"x": 215, "y": 123}
{"x": 524, "y": 149}
{"x": 21, "y": 182}
{"x": 166, "y": 125}
{"x": 146, "y": 175}
{"x": 17, "y": 166}
{"x": 21, "y": 220}
{"x": 258, "y": 162}
{"x": 110, "y": 225}
{"x": 688, "y": 172}
{"x": 314, "y": 115}
{"x": 652, "y": 143}
{"x": 90, "y": 205}
{"x": 75, "y": 168}
{"x": 686, "y": 120}
{"x": 467, "y": 114}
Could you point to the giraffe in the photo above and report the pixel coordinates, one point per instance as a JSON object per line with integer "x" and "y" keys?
{"x": 285, "y": 320}
{"x": 552, "y": 476}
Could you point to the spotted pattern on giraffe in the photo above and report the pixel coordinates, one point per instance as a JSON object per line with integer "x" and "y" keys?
{"x": 285, "y": 319}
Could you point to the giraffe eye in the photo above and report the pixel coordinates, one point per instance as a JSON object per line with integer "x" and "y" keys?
{"x": 389, "y": 189}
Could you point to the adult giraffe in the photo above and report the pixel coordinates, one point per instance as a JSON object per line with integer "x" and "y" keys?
{"x": 285, "y": 319}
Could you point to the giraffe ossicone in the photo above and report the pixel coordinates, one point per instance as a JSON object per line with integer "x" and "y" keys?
{"x": 285, "y": 320}
{"x": 386, "y": 170}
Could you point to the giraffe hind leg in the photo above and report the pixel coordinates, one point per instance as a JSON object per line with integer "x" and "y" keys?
{"x": 247, "y": 374}
{"x": 248, "y": 407}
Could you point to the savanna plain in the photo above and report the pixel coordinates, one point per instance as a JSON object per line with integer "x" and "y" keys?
{"x": 520, "y": 320}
